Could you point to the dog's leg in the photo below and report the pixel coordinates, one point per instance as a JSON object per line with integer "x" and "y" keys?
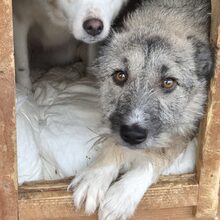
{"x": 92, "y": 53}
{"x": 21, "y": 53}
{"x": 140, "y": 167}
{"x": 124, "y": 195}
{"x": 143, "y": 170}
{"x": 91, "y": 185}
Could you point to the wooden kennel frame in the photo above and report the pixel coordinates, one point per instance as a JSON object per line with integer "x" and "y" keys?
{"x": 179, "y": 197}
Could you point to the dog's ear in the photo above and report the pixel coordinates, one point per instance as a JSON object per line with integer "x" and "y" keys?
{"x": 204, "y": 58}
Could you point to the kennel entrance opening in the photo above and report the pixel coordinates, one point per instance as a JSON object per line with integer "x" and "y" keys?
{"x": 176, "y": 197}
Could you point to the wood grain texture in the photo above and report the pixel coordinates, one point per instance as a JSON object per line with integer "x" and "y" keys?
{"x": 50, "y": 200}
{"x": 8, "y": 170}
{"x": 172, "y": 197}
{"x": 215, "y": 20}
{"x": 209, "y": 157}
{"x": 183, "y": 213}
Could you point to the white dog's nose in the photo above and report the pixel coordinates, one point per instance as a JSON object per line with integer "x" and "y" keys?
{"x": 93, "y": 26}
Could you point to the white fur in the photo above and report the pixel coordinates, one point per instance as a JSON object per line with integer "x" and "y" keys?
{"x": 92, "y": 187}
{"x": 185, "y": 162}
{"x": 117, "y": 201}
{"x": 124, "y": 195}
{"x": 96, "y": 186}
{"x": 57, "y": 22}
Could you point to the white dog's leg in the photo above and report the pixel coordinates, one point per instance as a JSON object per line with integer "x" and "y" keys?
{"x": 92, "y": 53}
{"x": 21, "y": 53}
{"x": 87, "y": 53}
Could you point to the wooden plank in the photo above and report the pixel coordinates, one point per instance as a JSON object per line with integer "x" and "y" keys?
{"x": 215, "y": 20}
{"x": 50, "y": 200}
{"x": 209, "y": 158}
{"x": 8, "y": 181}
{"x": 184, "y": 213}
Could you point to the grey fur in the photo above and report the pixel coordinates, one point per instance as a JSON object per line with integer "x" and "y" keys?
{"x": 162, "y": 39}
{"x": 167, "y": 38}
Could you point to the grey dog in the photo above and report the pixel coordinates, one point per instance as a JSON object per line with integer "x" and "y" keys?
{"x": 153, "y": 79}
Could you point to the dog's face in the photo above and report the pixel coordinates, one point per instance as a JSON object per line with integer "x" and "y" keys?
{"x": 87, "y": 20}
{"x": 153, "y": 87}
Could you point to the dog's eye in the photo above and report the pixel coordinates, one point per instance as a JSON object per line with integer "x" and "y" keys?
{"x": 120, "y": 77}
{"x": 169, "y": 84}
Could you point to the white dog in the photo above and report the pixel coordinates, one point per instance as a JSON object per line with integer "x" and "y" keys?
{"x": 55, "y": 24}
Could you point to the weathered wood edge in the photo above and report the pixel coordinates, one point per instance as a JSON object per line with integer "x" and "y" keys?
{"x": 209, "y": 154}
{"x": 47, "y": 200}
{"x": 25, "y": 191}
{"x": 8, "y": 170}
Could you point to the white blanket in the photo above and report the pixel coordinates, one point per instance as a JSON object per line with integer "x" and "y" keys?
{"x": 58, "y": 125}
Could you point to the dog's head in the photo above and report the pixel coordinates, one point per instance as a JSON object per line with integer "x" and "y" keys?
{"x": 87, "y": 20}
{"x": 153, "y": 87}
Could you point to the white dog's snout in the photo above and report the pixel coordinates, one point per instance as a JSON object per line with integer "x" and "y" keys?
{"x": 93, "y": 26}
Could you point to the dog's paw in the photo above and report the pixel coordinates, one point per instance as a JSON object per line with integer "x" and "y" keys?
{"x": 123, "y": 197}
{"x": 90, "y": 187}
{"x": 118, "y": 204}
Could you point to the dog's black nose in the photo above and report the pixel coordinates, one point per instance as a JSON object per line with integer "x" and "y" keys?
{"x": 133, "y": 134}
{"x": 93, "y": 26}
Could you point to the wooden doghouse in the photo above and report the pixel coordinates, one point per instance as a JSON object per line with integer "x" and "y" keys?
{"x": 181, "y": 197}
